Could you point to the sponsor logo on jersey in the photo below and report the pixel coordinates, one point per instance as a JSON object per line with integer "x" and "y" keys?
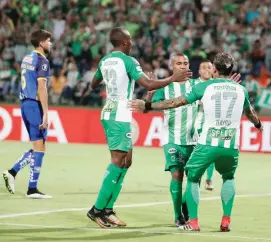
{"x": 44, "y": 67}
{"x": 129, "y": 135}
{"x": 172, "y": 151}
{"x": 28, "y": 59}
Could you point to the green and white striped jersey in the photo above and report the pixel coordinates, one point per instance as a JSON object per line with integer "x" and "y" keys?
{"x": 179, "y": 122}
{"x": 119, "y": 72}
{"x": 223, "y": 103}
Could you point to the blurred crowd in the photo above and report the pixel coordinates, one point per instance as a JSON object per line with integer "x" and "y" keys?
{"x": 159, "y": 28}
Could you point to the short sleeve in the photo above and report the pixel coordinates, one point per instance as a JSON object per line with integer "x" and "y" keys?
{"x": 196, "y": 92}
{"x": 133, "y": 68}
{"x": 98, "y": 74}
{"x": 159, "y": 95}
{"x": 246, "y": 102}
{"x": 43, "y": 68}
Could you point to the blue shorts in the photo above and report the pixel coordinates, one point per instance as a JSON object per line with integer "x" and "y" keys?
{"x": 32, "y": 116}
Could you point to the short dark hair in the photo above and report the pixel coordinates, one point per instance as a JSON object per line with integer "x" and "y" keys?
{"x": 39, "y": 35}
{"x": 224, "y": 63}
{"x": 205, "y": 61}
{"x": 177, "y": 54}
{"x": 117, "y": 35}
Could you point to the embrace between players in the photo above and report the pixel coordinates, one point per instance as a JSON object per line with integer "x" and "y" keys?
{"x": 193, "y": 140}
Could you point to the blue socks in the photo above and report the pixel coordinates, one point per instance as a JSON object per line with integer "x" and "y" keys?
{"x": 35, "y": 166}
{"x": 22, "y": 162}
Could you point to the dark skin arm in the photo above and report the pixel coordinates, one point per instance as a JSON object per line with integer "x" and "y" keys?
{"x": 252, "y": 116}
{"x": 151, "y": 84}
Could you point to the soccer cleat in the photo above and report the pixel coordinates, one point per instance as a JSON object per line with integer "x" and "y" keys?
{"x": 209, "y": 185}
{"x": 180, "y": 222}
{"x": 112, "y": 218}
{"x": 98, "y": 217}
{"x": 9, "y": 182}
{"x": 36, "y": 194}
{"x": 192, "y": 225}
{"x": 225, "y": 224}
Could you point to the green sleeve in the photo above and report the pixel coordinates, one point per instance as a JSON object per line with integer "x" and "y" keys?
{"x": 98, "y": 73}
{"x": 133, "y": 68}
{"x": 196, "y": 92}
{"x": 159, "y": 95}
{"x": 246, "y": 102}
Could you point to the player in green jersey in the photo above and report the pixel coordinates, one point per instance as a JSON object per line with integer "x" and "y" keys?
{"x": 224, "y": 102}
{"x": 178, "y": 134}
{"x": 119, "y": 71}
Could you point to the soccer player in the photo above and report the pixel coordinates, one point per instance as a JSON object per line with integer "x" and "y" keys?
{"x": 119, "y": 71}
{"x": 224, "y": 102}
{"x": 179, "y": 139}
{"x": 35, "y": 73}
{"x": 206, "y": 70}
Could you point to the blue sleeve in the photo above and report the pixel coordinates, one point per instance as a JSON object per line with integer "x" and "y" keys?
{"x": 43, "y": 68}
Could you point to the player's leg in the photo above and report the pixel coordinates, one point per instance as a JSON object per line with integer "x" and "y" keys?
{"x": 118, "y": 135}
{"x": 110, "y": 214}
{"x": 9, "y": 175}
{"x": 226, "y": 165}
{"x": 33, "y": 116}
{"x": 197, "y": 164}
{"x": 209, "y": 182}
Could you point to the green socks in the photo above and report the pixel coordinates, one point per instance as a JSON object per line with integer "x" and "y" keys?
{"x": 210, "y": 172}
{"x": 192, "y": 199}
{"x": 227, "y": 196}
{"x": 176, "y": 195}
{"x": 108, "y": 186}
{"x": 117, "y": 190}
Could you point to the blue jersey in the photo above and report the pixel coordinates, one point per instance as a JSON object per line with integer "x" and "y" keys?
{"x": 34, "y": 66}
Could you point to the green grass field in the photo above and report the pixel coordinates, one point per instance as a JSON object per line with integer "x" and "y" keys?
{"x": 73, "y": 173}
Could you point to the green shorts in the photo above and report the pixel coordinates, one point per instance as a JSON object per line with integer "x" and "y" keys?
{"x": 226, "y": 161}
{"x": 118, "y": 135}
{"x": 176, "y": 156}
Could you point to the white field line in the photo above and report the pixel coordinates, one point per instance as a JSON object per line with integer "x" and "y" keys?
{"x": 118, "y": 206}
{"x": 146, "y": 231}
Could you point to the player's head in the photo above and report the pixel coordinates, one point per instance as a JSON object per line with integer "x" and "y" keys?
{"x": 41, "y": 39}
{"x": 223, "y": 64}
{"x": 121, "y": 38}
{"x": 179, "y": 61}
{"x": 206, "y": 70}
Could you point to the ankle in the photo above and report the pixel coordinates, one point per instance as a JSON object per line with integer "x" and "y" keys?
{"x": 12, "y": 172}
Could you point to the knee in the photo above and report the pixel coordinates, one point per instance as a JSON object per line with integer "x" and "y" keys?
{"x": 128, "y": 163}
{"x": 177, "y": 175}
{"x": 117, "y": 162}
{"x": 193, "y": 176}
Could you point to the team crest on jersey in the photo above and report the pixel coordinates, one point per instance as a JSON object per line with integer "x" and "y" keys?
{"x": 44, "y": 67}
{"x": 172, "y": 151}
{"x": 129, "y": 135}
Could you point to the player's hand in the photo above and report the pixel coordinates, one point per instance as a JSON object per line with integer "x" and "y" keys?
{"x": 149, "y": 95}
{"x": 181, "y": 75}
{"x": 260, "y": 129}
{"x": 236, "y": 77}
{"x": 44, "y": 124}
{"x": 151, "y": 75}
{"x": 137, "y": 105}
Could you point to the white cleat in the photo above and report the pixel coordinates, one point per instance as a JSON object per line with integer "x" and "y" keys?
{"x": 9, "y": 182}
{"x": 37, "y": 195}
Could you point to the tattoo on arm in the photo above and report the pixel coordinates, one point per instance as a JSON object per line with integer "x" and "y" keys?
{"x": 251, "y": 115}
{"x": 170, "y": 103}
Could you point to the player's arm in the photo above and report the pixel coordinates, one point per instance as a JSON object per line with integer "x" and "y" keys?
{"x": 142, "y": 106}
{"x": 43, "y": 74}
{"x": 135, "y": 71}
{"x": 250, "y": 113}
{"x": 97, "y": 79}
{"x": 151, "y": 84}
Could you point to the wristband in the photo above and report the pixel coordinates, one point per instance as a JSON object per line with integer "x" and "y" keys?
{"x": 148, "y": 106}
{"x": 259, "y": 125}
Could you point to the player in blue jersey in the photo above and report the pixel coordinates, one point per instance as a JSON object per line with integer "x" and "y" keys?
{"x": 35, "y": 73}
